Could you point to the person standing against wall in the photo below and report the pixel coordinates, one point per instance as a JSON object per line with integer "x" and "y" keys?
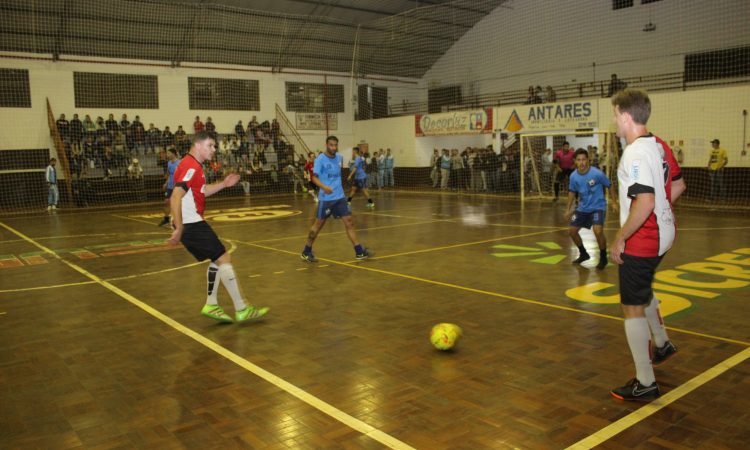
{"x": 445, "y": 169}
{"x": 716, "y": 164}
{"x": 53, "y": 195}
{"x": 389, "y": 162}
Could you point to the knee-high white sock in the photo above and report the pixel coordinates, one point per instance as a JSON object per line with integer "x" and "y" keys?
{"x": 213, "y": 284}
{"x": 656, "y": 323}
{"x": 639, "y": 340}
{"x": 227, "y": 276}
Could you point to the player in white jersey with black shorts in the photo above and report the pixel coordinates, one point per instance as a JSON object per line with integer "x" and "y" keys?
{"x": 649, "y": 181}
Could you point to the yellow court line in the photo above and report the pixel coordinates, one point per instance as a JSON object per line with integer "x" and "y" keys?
{"x": 496, "y": 294}
{"x": 348, "y": 420}
{"x": 660, "y": 403}
{"x": 137, "y": 220}
{"x": 1, "y": 313}
{"x": 80, "y": 283}
{"x": 286, "y": 238}
{"x": 465, "y": 244}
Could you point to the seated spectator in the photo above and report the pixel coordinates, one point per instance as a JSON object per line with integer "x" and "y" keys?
{"x": 101, "y": 127}
{"x": 239, "y": 130}
{"x": 153, "y": 138}
{"x": 139, "y": 134}
{"x": 111, "y": 125}
{"x": 135, "y": 171}
{"x": 532, "y": 98}
{"x": 197, "y": 125}
{"x": 211, "y": 128}
{"x": 63, "y": 127}
{"x": 167, "y": 138}
{"x": 89, "y": 127}
{"x": 539, "y": 94}
{"x": 616, "y": 85}
{"x": 551, "y": 95}
{"x": 181, "y": 141}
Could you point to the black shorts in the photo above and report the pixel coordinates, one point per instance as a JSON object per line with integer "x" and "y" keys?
{"x": 312, "y": 186}
{"x": 636, "y": 278}
{"x": 201, "y": 241}
{"x": 563, "y": 174}
{"x": 360, "y": 183}
{"x": 587, "y": 219}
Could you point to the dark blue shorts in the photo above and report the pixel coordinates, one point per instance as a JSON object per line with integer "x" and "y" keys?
{"x": 586, "y": 220}
{"x": 168, "y": 193}
{"x": 336, "y": 208}
{"x": 360, "y": 183}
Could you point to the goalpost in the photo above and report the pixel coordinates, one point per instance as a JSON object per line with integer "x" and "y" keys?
{"x": 537, "y": 177}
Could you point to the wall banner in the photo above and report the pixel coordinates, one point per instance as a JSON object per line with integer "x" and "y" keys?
{"x": 458, "y": 122}
{"x": 549, "y": 117}
{"x": 316, "y": 121}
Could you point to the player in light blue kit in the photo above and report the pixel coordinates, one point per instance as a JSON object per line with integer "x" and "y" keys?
{"x": 360, "y": 178}
{"x": 588, "y": 183}
{"x": 331, "y": 200}
{"x": 172, "y": 164}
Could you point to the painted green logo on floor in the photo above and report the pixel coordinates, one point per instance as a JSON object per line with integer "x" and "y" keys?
{"x": 511, "y": 251}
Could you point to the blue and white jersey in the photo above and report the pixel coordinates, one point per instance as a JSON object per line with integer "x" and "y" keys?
{"x": 171, "y": 167}
{"x": 359, "y": 164}
{"x": 328, "y": 171}
{"x": 590, "y": 188}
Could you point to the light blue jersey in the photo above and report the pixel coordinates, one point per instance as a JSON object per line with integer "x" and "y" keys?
{"x": 359, "y": 163}
{"x": 590, "y": 188}
{"x": 171, "y": 167}
{"x": 328, "y": 171}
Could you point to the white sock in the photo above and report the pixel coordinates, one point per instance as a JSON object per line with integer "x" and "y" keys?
{"x": 656, "y": 323}
{"x": 213, "y": 284}
{"x": 227, "y": 276}
{"x": 639, "y": 340}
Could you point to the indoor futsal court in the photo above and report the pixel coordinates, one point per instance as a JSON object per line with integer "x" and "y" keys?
{"x": 105, "y": 348}
{"x": 371, "y": 224}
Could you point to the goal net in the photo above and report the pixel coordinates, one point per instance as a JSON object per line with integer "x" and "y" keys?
{"x": 108, "y": 88}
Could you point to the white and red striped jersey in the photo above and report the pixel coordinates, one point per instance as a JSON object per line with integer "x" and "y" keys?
{"x": 190, "y": 177}
{"x": 648, "y": 166}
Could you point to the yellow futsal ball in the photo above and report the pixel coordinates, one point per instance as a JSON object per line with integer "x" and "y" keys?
{"x": 444, "y": 335}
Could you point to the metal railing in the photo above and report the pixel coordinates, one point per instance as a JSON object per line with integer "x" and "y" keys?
{"x": 290, "y": 134}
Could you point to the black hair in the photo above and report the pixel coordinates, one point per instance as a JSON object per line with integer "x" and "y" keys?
{"x": 582, "y": 151}
{"x": 332, "y": 138}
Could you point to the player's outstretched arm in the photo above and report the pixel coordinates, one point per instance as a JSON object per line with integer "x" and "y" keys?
{"x": 229, "y": 181}
{"x": 571, "y": 205}
{"x": 316, "y": 181}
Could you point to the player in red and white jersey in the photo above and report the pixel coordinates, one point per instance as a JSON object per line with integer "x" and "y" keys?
{"x": 187, "y": 203}
{"x": 649, "y": 181}
{"x": 565, "y": 164}
{"x": 311, "y": 187}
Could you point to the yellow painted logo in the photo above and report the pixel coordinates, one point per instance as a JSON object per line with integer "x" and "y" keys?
{"x": 514, "y": 123}
{"x": 702, "y": 280}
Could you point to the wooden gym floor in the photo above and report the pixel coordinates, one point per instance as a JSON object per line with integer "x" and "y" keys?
{"x": 102, "y": 344}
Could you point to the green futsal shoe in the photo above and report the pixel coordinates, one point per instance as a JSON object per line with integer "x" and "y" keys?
{"x": 251, "y": 313}
{"x": 217, "y": 313}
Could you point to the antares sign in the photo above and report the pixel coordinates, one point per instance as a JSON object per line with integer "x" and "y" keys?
{"x": 459, "y": 122}
{"x": 553, "y": 116}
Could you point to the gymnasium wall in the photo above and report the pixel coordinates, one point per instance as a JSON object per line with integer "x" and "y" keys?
{"x": 54, "y": 80}
{"x": 541, "y": 42}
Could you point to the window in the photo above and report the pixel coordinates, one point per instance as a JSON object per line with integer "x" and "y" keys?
{"x": 224, "y": 94}
{"x": 113, "y": 90}
{"x": 727, "y": 63}
{"x": 644, "y": 2}
{"x": 619, "y": 4}
{"x": 14, "y": 88}
{"x": 312, "y": 98}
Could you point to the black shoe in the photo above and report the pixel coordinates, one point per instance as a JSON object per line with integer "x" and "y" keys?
{"x": 164, "y": 221}
{"x": 309, "y": 257}
{"x": 583, "y": 257}
{"x": 634, "y": 391}
{"x": 366, "y": 253}
{"x": 602, "y": 264}
{"x": 663, "y": 353}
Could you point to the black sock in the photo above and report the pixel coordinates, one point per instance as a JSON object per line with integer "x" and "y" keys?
{"x": 582, "y": 249}
{"x": 348, "y": 199}
{"x": 603, "y": 254}
{"x": 369, "y": 200}
{"x": 557, "y": 190}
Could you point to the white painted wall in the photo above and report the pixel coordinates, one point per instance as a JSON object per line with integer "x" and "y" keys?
{"x": 555, "y": 42}
{"x": 54, "y": 80}
{"x": 396, "y": 133}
